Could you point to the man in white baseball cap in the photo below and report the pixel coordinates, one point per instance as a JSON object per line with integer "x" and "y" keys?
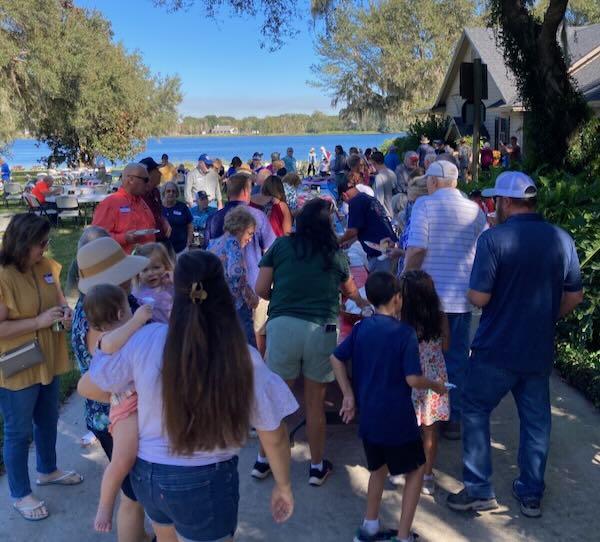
{"x": 525, "y": 276}
{"x": 444, "y": 228}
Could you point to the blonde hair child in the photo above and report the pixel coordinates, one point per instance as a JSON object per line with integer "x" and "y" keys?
{"x": 154, "y": 284}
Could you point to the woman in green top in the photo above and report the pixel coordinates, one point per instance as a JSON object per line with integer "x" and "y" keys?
{"x": 302, "y": 275}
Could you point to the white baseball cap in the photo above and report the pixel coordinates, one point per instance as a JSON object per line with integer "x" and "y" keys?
{"x": 512, "y": 184}
{"x": 443, "y": 169}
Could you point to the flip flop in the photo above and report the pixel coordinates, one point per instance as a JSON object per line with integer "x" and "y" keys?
{"x": 24, "y": 510}
{"x": 87, "y": 440}
{"x": 67, "y": 479}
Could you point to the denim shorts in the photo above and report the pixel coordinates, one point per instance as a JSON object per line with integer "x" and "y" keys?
{"x": 200, "y": 502}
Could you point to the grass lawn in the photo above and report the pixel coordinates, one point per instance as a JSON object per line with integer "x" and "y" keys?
{"x": 63, "y": 247}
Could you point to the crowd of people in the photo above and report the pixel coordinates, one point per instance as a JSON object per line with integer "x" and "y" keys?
{"x": 165, "y": 327}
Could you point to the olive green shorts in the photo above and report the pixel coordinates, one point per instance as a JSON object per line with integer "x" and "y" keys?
{"x": 297, "y": 346}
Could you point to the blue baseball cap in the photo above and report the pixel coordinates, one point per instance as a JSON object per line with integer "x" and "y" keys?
{"x": 206, "y": 159}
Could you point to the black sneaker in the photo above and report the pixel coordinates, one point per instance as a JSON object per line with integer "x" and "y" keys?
{"x": 383, "y": 534}
{"x": 260, "y": 471}
{"x": 462, "y": 502}
{"x": 317, "y": 477}
{"x": 530, "y": 506}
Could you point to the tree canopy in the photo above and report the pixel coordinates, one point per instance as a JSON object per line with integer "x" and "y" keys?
{"x": 64, "y": 81}
{"x": 389, "y": 58}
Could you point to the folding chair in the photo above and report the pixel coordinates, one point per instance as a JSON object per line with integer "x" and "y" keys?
{"x": 34, "y": 207}
{"x": 67, "y": 207}
{"x": 12, "y": 192}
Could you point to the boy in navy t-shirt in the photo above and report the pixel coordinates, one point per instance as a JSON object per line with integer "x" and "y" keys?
{"x": 385, "y": 366}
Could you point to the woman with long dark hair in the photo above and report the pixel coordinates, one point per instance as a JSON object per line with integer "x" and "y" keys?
{"x": 302, "y": 276}
{"x": 200, "y": 388}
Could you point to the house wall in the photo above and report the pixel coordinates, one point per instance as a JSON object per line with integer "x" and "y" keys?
{"x": 454, "y": 102}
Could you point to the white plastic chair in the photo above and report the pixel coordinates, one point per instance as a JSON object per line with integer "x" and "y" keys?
{"x": 12, "y": 192}
{"x": 68, "y": 207}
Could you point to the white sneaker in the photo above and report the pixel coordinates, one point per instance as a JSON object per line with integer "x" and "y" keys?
{"x": 428, "y": 486}
{"x": 397, "y": 479}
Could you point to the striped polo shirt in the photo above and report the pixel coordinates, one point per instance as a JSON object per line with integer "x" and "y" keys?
{"x": 447, "y": 225}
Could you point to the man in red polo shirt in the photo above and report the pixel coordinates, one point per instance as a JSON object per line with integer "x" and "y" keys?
{"x": 43, "y": 189}
{"x": 124, "y": 214}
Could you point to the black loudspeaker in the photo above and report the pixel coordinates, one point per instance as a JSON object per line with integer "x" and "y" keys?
{"x": 466, "y": 81}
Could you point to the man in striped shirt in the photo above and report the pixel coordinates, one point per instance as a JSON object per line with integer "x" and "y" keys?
{"x": 443, "y": 234}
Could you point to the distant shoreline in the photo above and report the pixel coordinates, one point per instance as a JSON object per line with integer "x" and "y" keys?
{"x": 183, "y": 136}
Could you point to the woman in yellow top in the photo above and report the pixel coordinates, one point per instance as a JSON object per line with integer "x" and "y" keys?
{"x": 31, "y": 301}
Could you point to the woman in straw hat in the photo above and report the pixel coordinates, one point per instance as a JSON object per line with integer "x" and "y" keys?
{"x": 31, "y": 303}
{"x": 191, "y": 425}
{"x": 101, "y": 260}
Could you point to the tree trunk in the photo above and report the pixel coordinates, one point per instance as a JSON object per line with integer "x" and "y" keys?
{"x": 556, "y": 109}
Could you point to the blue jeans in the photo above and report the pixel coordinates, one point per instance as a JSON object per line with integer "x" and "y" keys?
{"x": 245, "y": 316}
{"x": 457, "y": 359}
{"x": 485, "y": 387}
{"x": 200, "y": 502}
{"x": 375, "y": 264}
{"x": 37, "y": 406}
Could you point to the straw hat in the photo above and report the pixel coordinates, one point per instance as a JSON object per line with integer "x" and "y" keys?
{"x": 244, "y": 169}
{"x": 103, "y": 261}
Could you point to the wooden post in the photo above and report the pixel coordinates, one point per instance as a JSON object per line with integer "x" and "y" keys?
{"x": 476, "y": 116}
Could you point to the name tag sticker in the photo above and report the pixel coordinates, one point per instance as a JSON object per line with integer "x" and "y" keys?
{"x": 124, "y": 209}
{"x": 177, "y": 213}
{"x": 49, "y": 278}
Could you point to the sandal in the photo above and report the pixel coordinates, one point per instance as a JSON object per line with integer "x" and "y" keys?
{"x": 69, "y": 478}
{"x": 26, "y": 512}
{"x": 87, "y": 440}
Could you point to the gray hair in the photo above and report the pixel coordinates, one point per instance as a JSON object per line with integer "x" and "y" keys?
{"x": 429, "y": 159}
{"x": 409, "y": 156}
{"x": 169, "y": 183}
{"x": 89, "y": 234}
{"x": 238, "y": 220}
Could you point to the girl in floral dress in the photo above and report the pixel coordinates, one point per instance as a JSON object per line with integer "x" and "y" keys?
{"x": 421, "y": 309}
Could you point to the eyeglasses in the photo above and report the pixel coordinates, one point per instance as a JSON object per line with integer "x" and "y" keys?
{"x": 45, "y": 242}
{"x": 145, "y": 179}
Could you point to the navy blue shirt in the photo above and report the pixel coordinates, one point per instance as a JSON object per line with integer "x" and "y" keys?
{"x": 215, "y": 222}
{"x": 179, "y": 216}
{"x": 384, "y": 351}
{"x": 368, "y": 216}
{"x": 525, "y": 264}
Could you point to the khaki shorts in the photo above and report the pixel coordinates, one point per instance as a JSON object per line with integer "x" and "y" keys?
{"x": 259, "y": 317}
{"x": 297, "y": 346}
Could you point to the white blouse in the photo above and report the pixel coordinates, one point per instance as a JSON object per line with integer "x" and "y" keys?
{"x": 139, "y": 363}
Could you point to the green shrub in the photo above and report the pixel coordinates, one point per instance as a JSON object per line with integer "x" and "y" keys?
{"x": 581, "y": 369}
{"x": 583, "y": 153}
{"x": 432, "y": 126}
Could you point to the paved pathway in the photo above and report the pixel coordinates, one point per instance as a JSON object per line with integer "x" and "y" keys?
{"x": 331, "y": 513}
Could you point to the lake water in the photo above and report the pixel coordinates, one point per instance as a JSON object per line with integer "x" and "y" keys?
{"x": 27, "y": 152}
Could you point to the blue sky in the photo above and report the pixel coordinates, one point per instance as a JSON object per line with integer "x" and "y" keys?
{"x": 222, "y": 67}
